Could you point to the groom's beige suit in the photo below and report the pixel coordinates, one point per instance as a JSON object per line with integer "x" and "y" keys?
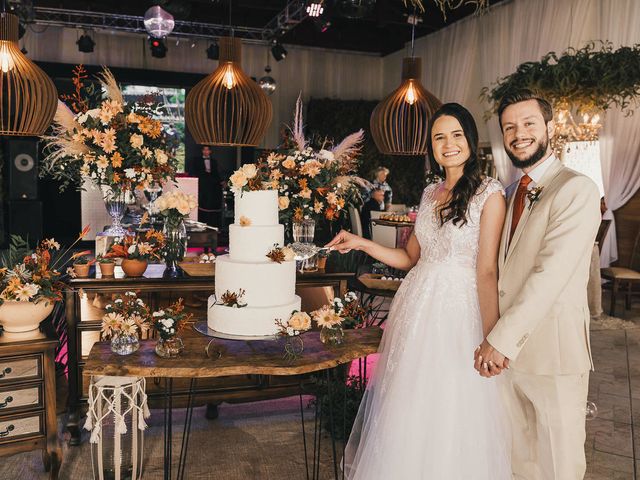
{"x": 544, "y": 323}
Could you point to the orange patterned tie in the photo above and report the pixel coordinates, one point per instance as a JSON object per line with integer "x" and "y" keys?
{"x": 518, "y": 203}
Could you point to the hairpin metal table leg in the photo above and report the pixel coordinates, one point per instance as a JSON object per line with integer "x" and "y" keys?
{"x": 304, "y": 435}
{"x": 168, "y": 419}
{"x": 186, "y": 431}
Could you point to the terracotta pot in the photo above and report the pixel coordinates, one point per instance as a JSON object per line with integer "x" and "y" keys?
{"x": 133, "y": 268}
{"x": 24, "y": 316}
{"x": 106, "y": 269}
{"x": 81, "y": 269}
{"x": 322, "y": 262}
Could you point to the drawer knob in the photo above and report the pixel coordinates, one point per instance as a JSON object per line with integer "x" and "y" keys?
{"x": 5, "y": 372}
{"x": 8, "y": 430}
{"x": 6, "y": 402}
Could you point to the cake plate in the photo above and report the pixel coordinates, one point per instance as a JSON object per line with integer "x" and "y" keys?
{"x": 203, "y": 328}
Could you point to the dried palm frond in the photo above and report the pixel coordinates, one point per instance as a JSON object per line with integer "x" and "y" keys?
{"x": 349, "y": 147}
{"x": 297, "y": 131}
{"x": 64, "y": 120}
{"x": 108, "y": 81}
{"x": 361, "y": 182}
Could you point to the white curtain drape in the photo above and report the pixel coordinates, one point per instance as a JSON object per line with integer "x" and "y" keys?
{"x": 620, "y": 138}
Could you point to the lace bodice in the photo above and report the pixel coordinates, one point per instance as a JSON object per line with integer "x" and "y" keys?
{"x": 450, "y": 243}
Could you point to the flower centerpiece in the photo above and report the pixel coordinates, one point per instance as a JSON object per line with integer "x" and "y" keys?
{"x": 119, "y": 146}
{"x": 174, "y": 207}
{"x": 168, "y": 322}
{"x": 124, "y": 320}
{"x": 291, "y": 329}
{"x": 313, "y": 184}
{"x": 137, "y": 250}
{"x": 30, "y": 282}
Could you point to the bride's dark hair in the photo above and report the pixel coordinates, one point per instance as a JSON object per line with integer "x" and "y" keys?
{"x": 465, "y": 188}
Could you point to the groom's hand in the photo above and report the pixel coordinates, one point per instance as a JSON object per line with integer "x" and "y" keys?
{"x": 488, "y": 361}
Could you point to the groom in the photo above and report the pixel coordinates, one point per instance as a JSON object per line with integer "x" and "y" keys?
{"x": 543, "y": 331}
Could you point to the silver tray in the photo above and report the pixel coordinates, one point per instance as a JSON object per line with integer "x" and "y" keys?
{"x": 203, "y": 328}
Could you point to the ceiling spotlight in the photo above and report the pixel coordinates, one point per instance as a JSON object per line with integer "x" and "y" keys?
{"x": 213, "y": 51}
{"x": 315, "y": 9}
{"x": 278, "y": 51}
{"x": 85, "y": 44}
{"x": 158, "y": 48}
{"x": 267, "y": 83}
{"x": 158, "y": 22}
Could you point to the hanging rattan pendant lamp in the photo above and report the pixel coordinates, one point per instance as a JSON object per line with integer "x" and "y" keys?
{"x": 28, "y": 96}
{"x": 227, "y": 107}
{"x": 399, "y": 122}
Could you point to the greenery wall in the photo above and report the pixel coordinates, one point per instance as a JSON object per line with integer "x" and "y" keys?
{"x": 335, "y": 119}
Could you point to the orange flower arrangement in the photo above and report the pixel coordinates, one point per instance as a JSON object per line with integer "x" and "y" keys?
{"x": 142, "y": 246}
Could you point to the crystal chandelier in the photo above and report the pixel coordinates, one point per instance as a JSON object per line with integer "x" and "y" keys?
{"x": 568, "y": 130}
{"x": 158, "y": 22}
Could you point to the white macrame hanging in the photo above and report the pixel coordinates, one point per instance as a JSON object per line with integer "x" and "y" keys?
{"x": 106, "y": 395}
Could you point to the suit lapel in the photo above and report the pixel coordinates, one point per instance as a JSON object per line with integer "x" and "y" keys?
{"x": 546, "y": 179}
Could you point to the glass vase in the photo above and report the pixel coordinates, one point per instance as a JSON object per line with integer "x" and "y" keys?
{"x": 169, "y": 347}
{"x": 175, "y": 235}
{"x": 115, "y": 203}
{"x": 124, "y": 343}
{"x": 293, "y": 347}
{"x": 332, "y": 335}
{"x": 304, "y": 231}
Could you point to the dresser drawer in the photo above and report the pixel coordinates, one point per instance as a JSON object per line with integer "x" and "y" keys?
{"x": 20, "y": 398}
{"x": 31, "y": 425}
{"x": 20, "y": 368}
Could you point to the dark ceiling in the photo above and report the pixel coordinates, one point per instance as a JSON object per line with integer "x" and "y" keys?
{"x": 382, "y": 28}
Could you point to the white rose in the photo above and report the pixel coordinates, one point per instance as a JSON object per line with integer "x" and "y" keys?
{"x": 136, "y": 140}
{"x": 249, "y": 170}
{"x": 283, "y": 203}
{"x": 161, "y": 156}
{"x": 130, "y": 173}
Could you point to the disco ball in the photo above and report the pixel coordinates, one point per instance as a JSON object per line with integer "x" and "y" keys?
{"x": 267, "y": 83}
{"x": 158, "y": 22}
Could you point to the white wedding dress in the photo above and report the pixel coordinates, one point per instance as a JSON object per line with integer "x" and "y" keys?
{"x": 427, "y": 414}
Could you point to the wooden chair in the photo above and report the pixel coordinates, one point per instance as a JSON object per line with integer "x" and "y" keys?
{"x": 624, "y": 278}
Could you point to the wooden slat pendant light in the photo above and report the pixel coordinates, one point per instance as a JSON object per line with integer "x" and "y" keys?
{"x": 399, "y": 122}
{"x": 28, "y": 97}
{"x": 227, "y": 107}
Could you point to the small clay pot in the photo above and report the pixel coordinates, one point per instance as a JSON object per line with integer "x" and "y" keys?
{"x": 322, "y": 262}
{"x": 81, "y": 269}
{"x": 106, "y": 268}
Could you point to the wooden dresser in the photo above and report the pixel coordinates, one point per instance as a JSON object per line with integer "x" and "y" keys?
{"x": 28, "y": 397}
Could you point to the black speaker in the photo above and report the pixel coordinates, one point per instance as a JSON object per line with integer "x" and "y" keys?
{"x": 25, "y": 219}
{"x": 21, "y": 156}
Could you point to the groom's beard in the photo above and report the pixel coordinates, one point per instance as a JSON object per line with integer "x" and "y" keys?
{"x": 534, "y": 158}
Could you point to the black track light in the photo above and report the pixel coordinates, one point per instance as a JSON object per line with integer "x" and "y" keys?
{"x": 158, "y": 48}
{"x": 278, "y": 51}
{"x": 86, "y": 44}
{"x": 213, "y": 51}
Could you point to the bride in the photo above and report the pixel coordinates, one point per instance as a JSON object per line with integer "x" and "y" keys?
{"x": 426, "y": 413}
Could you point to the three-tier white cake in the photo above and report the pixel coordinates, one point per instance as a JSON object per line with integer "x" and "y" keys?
{"x": 269, "y": 286}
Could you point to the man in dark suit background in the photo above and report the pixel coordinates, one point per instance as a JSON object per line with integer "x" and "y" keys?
{"x": 205, "y": 167}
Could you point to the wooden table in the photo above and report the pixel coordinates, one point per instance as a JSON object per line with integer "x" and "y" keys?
{"x": 233, "y": 357}
{"x": 84, "y": 318}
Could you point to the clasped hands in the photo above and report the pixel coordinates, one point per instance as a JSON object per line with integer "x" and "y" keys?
{"x": 488, "y": 361}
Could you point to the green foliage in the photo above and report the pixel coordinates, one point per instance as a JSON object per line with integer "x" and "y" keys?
{"x": 18, "y": 249}
{"x": 594, "y": 75}
{"x": 328, "y": 118}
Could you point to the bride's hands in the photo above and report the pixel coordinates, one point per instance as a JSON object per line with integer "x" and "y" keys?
{"x": 344, "y": 242}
